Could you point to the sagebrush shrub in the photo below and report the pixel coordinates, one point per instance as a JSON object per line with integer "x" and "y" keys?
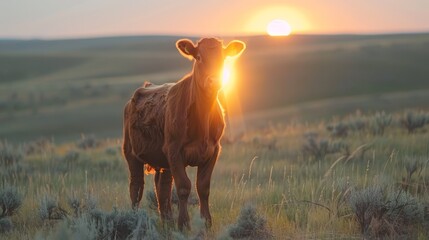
{"x": 87, "y": 142}
{"x": 145, "y": 228}
{"x": 198, "y": 230}
{"x": 6, "y": 225}
{"x": 414, "y": 120}
{"x": 403, "y": 210}
{"x": 11, "y": 164}
{"x": 71, "y": 156}
{"x": 81, "y": 205}
{"x": 366, "y": 204}
{"x": 38, "y": 146}
{"x": 151, "y": 198}
{"x": 122, "y": 225}
{"x": 49, "y": 208}
{"x": 9, "y": 155}
{"x": 357, "y": 123}
{"x": 10, "y": 201}
{"x": 63, "y": 231}
{"x": 75, "y": 204}
{"x": 250, "y": 225}
{"x": 112, "y": 151}
{"x": 379, "y": 122}
{"x": 318, "y": 148}
{"x": 338, "y": 130}
{"x": 394, "y": 215}
{"x": 412, "y": 165}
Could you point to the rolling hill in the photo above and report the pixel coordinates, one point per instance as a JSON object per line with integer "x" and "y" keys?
{"x": 65, "y": 88}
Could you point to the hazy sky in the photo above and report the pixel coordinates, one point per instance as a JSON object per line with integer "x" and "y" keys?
{"x": 77, "y": 18}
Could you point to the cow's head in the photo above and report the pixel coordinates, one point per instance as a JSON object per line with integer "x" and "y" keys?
{"x": 209, "y": 55}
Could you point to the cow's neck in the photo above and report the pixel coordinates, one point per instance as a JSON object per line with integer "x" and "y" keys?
{"x": 203, "y": 106}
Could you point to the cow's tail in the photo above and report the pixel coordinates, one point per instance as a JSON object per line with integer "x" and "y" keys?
{"x": 126, "y": 145}
{"x": 147, "y": 84}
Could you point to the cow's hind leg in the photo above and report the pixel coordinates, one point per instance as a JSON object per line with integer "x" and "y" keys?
{"x": 136, "y": 177}
{"x": 136, "y": 181}
{"x": 163, "y": 184}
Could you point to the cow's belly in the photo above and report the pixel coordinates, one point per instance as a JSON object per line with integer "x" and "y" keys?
{"x": 197, "y": 153}
{"x": 156, "y": 159}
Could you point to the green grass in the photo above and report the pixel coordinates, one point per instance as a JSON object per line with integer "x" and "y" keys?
{"x": 298, "y": 195}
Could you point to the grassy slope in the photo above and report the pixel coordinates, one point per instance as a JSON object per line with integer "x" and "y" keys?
{"x": 282, "y": 182}
{"x": 60, "y": 81}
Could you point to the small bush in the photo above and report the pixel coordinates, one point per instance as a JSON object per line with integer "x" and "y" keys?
{"x": 151, "y": 198}
{"x": 357, "y": 123}
{"x": 10, "y": 201}
{"x": 88, "y": 142}
{"x": 403, "y": 212}
{"x": 9, "y": 156}
{"x": 38, "y": 146}
{"x": 367, "y": 204}
{"x": 79, "y": 206}
{"x": 11, "y": 164}
{"x": 378, "y": 216}
{"x": 338, "y": 130}
{"x": 414, "y": 120}
{"x": 50, "y": 209}
{"x": 121, "y": 225}
{"x": 91, "y": 203}
{"x": 75, "y": 204}
{"x": 379, "y": 122}
{"x": 6, "y": 225}
{"x": 71, "y": 156}
{"x": 250, "y": 225}
{"x": 198, "y": 230}
{"x": 145, "y": 228}
{"x": 112, "y": 151}
{"x": 412, "y": 165}
{"x": 318, "y": 148}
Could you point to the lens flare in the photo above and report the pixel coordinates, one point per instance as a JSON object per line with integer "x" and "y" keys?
{"x": 227, "y": 74}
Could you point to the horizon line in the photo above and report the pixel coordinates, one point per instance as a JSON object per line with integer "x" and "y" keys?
{"x": 100, "y": 36}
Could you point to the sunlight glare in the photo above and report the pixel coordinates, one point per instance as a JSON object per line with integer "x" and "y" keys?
{"x": 227, "y": 73}
{"x": 278, "y": 27}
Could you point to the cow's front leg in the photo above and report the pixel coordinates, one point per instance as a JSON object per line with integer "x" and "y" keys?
{"x": 204, "y": 174}
{"x": 183, "y": 187}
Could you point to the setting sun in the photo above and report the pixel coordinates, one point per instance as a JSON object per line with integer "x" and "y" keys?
{"x": 278, "y": 27}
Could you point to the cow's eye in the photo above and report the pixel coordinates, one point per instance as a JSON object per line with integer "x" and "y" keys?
{"x": 198, "y": 58}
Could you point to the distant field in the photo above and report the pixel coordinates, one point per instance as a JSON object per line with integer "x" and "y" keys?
{"x": 63, "y": 88}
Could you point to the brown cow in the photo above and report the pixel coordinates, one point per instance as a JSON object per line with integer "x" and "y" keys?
{"x": 175, "y": 125}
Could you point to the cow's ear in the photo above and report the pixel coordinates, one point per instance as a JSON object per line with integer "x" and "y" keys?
{"x": 235, "y": 48}
{"x": 186, "y": 48}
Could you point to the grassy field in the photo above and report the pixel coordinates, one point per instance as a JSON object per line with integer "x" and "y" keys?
{"x": 307, "y": 182}
{"x": 334, "y": 143}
